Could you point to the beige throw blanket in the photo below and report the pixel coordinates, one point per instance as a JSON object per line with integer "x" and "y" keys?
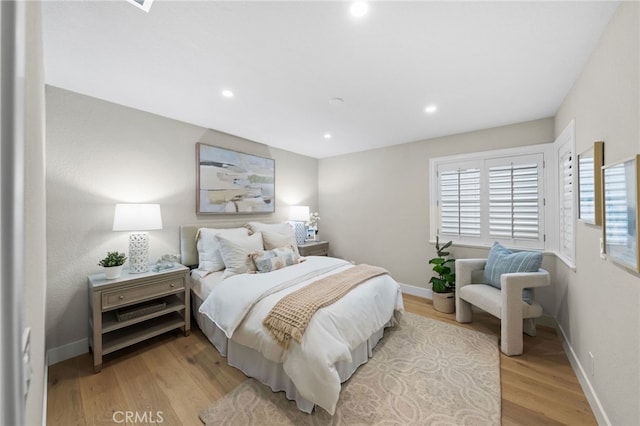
{"x": 291, "y": 315}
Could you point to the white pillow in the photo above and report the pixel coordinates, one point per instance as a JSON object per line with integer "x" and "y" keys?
{"x": 236, "y": 253}
{"x": 275, "y": 235}
{"x": 209, "y": 248}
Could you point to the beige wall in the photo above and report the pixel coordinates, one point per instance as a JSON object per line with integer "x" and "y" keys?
{"x": 374, "y": 205}
{"x": 99, "y": 154}
{"x": 35, "y": 213}
{"x": 599, "y": 303}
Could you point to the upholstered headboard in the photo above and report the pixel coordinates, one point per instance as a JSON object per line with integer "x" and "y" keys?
{"x": 188, "y": 248}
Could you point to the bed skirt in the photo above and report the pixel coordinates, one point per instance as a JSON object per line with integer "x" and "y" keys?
{"x": 270, "y": 373}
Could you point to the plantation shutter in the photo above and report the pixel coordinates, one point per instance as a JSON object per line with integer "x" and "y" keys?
{"x": 566, "y": 173}
{"x": 460, "y": 201}
{"x": 515, "y": 198}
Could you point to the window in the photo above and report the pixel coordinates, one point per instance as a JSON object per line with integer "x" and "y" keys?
{"x": 565, "y": 215}
{"x": 522, "y": 197}
{"x": 460, "y": 201}
{"x": 492, "y": 197}
{"x": 565, "y": 158}
{"x": 514, "y": 198}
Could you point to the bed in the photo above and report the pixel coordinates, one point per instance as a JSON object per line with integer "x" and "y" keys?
{"x": 230, "y": 308}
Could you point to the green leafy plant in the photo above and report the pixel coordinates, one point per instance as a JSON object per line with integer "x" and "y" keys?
{"x": 113, "y": 259}
{"x": 445, "y": 282}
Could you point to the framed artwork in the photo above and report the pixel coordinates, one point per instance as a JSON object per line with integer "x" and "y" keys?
{"x": 231, "y": 182}
{"x": 590, "y": 164}
{"x": 311, "y": 234}
{"x": 620, "y": 222}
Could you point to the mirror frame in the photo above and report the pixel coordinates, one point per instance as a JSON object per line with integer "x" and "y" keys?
{"x": 590, "y": 164}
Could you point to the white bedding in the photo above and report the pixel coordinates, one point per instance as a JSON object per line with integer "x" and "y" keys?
{"x": 237, "y": 305}
{"x": 203, "y": 286}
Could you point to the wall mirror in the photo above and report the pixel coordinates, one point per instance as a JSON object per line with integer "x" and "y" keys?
{"x": 620, "y": 228}
{"x": 590, "y": 164}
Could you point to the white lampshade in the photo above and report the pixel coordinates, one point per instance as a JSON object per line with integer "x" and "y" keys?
{"x": 137, "y": 217}
{"x": 299, "y": 213}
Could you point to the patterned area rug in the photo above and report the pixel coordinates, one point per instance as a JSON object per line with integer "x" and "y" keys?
{"x": 422, "y": 372}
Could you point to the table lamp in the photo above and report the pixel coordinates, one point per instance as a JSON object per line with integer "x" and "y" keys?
{"x": 299, "y": 215}
{"x": 137, "y": 218}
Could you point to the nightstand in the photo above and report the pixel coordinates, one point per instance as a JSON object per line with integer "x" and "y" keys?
{"x": 314, "y": 248}
{"x": 136, "y": 307}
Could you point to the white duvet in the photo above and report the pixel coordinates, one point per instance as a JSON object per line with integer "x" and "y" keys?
{"x": 239, "y": 304}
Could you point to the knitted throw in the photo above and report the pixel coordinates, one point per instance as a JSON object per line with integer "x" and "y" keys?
{"x": 291, "y": 315}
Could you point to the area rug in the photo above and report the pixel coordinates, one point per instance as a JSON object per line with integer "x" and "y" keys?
{"x": 423, "y": 372}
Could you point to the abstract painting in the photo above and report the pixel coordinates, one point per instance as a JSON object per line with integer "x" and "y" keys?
{"x": 231, "y": 182}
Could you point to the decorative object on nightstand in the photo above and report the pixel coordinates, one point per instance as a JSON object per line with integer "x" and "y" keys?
{"x": 314, "y": 248}
{"x": 113, "y": 264}
{"x": 312, "y": 226}
{"x": 138, "y": 218}
{"x": 166, "y": 261}
{"x": 298, "y": 215}
{"x": 136, "y": 307}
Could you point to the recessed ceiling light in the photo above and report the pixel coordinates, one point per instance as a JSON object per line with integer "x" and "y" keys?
{"x": 142, "y": 4}
{"x": 227, "y": 93}
{"x": 431, "y": 109}
{"x": 359, "y": 9}
{"x": 327, "y": 135}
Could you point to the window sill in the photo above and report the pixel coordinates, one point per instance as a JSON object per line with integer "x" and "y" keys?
{"x": 568, "y": 262}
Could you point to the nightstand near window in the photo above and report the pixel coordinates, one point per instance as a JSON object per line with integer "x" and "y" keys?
{"x": 314, "y": 248}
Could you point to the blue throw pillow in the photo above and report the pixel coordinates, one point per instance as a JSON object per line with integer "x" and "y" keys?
{"x": 501, "y": 260}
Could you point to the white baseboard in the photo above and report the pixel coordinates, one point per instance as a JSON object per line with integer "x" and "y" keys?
{"x": 583, "y": 378}
{"x": 61, "y": 353}
{"x": 415, "y": 291}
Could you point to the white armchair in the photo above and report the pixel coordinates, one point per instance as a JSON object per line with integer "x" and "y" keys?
{"x": 516, "y": 316}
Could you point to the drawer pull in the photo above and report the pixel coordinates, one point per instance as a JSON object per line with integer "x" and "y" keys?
{"x": 173, "y": 284}
{"x": 121, "y": 297}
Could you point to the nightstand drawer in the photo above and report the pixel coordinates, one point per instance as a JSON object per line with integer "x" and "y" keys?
{"x": 126, "y": 296}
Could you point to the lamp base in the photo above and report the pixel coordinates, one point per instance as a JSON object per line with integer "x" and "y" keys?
{"x": 300, "y": 232}
{"x": 138, "y": 252}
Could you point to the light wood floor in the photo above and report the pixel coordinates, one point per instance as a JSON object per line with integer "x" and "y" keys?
{"x": 178, "y": 376}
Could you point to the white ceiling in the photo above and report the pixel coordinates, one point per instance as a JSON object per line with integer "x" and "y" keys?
{"x": 484, "y": 64}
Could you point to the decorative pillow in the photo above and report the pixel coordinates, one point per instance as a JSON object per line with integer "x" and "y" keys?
{"x": 209, "y": 248}
{"x": 235, "y": 253}
{"x": 501, "y": 260}
{"x": 272, "y": 260}
{"x": 275, "y": 235}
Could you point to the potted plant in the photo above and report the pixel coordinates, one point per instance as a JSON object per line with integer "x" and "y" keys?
{"x": 113, "y": 264}
{"x": 444, "y": 284}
